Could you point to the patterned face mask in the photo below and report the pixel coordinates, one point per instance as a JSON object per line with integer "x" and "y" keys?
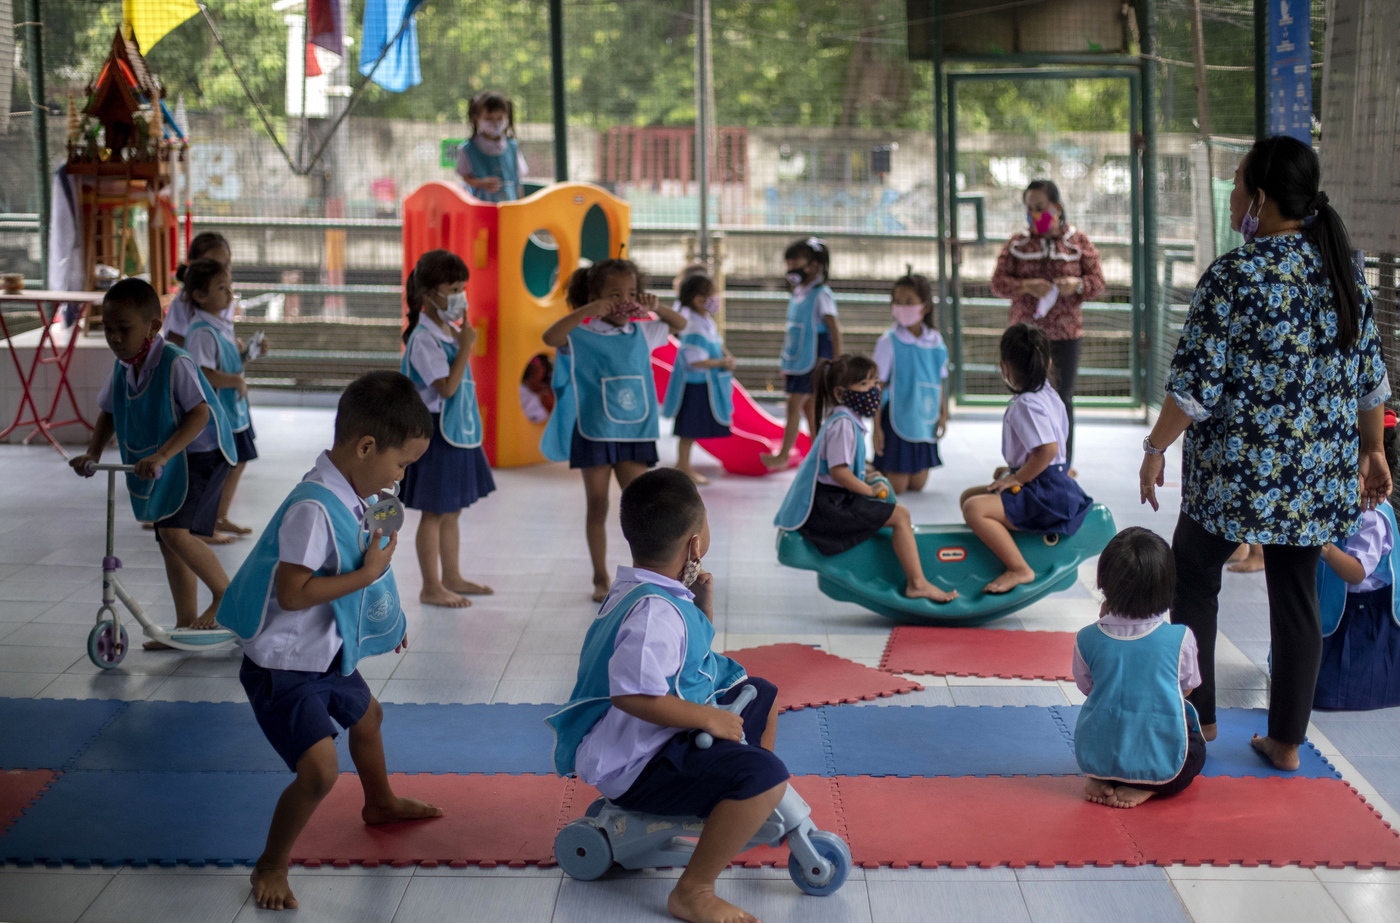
{"x": 863, "y": 403}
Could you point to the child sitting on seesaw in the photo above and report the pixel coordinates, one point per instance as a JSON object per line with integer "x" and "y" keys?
{"x": 313, "y": 571}
{"x": 1137, "y": 736}
{"x": 1034, "y": 493}
{"x": 647, "y": 678}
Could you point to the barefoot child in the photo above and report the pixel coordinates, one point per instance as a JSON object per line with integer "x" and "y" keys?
{"x": 608, "y": 418}
{"x": 167, "y": 417}
{"x": 316, "y": 595}
{"x": 647, "y": 678}
{"x": 453, "y": 474}
{"x": 1137, "y": 736}
{"x": 829, "y": 502}
{"x": 700, "y": 393}
{"x": 912, "y": 361}
{"x": 1034, "y": 494}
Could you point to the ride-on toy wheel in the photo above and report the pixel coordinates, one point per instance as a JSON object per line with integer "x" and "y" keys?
{"x": 831, "y": 848}
{"x": 583, "y": 851}
{"x": 107, "y": 644}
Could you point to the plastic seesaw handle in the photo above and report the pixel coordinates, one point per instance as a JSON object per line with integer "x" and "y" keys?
{"x": 704, "y": 740}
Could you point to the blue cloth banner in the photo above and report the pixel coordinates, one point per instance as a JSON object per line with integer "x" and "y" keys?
{"x": 1290, "y": 69}
{"x": 399, "y": 69}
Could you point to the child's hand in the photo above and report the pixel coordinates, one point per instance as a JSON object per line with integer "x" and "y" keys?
{"x": 377, "y": 559}
{"x": 704, "y": 590}
{"x": 147, "y": 467}
{"x": 1000, "y": 473}
{"x": 80, "y": 464}
{"x": 242, "y": 386}
{"x": 723, "y": 725}
{"x": 1008, "y": 482}
{"x": 603, "y": 307}
{"x": 940, "y": 429}
{"x": 646, "y": 304}
{"x": 403, "y": 645}
{"x": 489, "y": 183}
{"x": 729, "y": 363}
{"x": 466, "y": 337}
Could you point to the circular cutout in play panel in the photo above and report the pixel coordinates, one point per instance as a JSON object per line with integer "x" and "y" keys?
{"x": 539, "y": 265}
{"x": 595, "y": 240}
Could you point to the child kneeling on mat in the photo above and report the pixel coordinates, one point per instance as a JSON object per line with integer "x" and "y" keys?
{"x": 1137, "y": 736}
{"x": 647, "y": 679}
{"x": 315, "y": 595}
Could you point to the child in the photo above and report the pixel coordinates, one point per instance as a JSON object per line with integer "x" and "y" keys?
{"x": 170, "y": 425}
{"x": 536, "y": 394}
{"x": 490, "y": 162}
{"x": 829, "y": 502}
{"x": 212, "y": 346}
{"x": 700, "y": 393}
{"x": 812, "y": 334}
{"x": 1034, "y": 494}
{"x": 178, "y": 317}
{"x": 298, "y": 602}
{"x": 912, "y": 362}
{"x": 1136, "y": 736}
{"x": 647, "y": 678}
{"x": 611, "y": 416}
{"x": 453, "y": 474}
{"x": 1360, "y": 621}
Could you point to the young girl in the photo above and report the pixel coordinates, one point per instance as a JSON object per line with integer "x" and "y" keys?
{"x": 700, "y": 393}
{"x": 453, "y": 474}
{"x": 490, "y": 162}
{"x": 1034, "y": 494}
{"x": 829, "y": 502}
{"x": 180, "y": 314}
{"x": 536, "y": 395}
{"x": 211, "y": 344}
{"x": 812, "y": 334}
{"x": 912, "y": 362}
{"x": 610, "y": 417}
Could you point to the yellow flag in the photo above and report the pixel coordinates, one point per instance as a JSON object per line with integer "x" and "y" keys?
{"x": 150, "y": 20}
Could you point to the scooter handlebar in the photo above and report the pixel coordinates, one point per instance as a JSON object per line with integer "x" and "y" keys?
{"x": 704, "y": 740}
{"x": 92, "y": 468}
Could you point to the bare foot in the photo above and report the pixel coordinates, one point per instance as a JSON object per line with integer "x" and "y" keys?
{"x": 1240, "y": 554}
{"x": 1072, "y": 473}
{"x": 700, "y": 905}
{"x": 772, "y": 462}
{"x": 1283, "y": 756}
{"x": 600, "y": 590}
{"x": 1253, "y": 562}
{"x": 1125, "y": 796}
{"x": 232, "y": 528}
{"x": 218, "y": 538}
{"x": 401, "y": 809}
{"x": 1009, "y": 581}
{"x": 1098, "y": 791}
{"x": 442, "y": 596}
{"x": 156, "y": 646}
{"x": 695, "y": 476}
{"x": 463, "y": 585}
{"x": 206, "y": 619}
{"x": 1208, "y": 731}
{"x": 271, "y": 889}
{"x": 927, "y": 590}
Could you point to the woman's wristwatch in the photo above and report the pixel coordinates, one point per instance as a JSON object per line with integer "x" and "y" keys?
{"x": 1149, "y": 448}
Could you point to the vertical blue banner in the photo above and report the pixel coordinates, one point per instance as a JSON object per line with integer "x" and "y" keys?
{"x": 1290, "y": 69}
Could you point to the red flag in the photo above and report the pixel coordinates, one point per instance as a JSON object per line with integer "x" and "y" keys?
{"x": 324, "y": 25}
{"x": 313, "y": 67}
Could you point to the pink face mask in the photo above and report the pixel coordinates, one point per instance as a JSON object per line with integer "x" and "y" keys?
{"x": 1042, "y": 222}
{"x": 907, "y": 314}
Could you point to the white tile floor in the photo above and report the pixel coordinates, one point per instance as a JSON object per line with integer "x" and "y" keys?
{"x": 519, "y": 646}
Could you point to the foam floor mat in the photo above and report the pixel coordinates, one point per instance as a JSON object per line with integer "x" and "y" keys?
{"x": 18, "y": 790}
{"x": 49, "y": 733}
{"x": 807, "y": 677}
{"x": 979, "y": 652}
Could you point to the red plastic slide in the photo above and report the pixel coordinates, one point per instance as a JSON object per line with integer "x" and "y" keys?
{"x": 754, "y": 430}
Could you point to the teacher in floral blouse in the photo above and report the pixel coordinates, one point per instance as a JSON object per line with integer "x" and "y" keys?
{"x": 1279, "y": 385}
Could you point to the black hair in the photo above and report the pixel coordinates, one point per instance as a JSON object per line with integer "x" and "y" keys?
{"x": 813, "y": 249}
{"x": 1137, "y": 574}
{"x": 841, "y": 372}
{"x": 1052, "y": 192}
{"x": 202, "y": 243}
{"x": 1392, "y": 451}
{"x": 660, "y": 510}
{"x": 434, "y": 268}
{"x": 544, "y": 362}
{"x": 923, "y": 287}
{"x": 199, "y": 275}
{"x": 587, "y": 282}
{"x": 133, "y": 295}
{"x": 491, "y": 101}
{"x": 1026, "y": 351}
{"x": 696, "y": 285}
{"x": 1288, "y": 172}
{"x": 385, "y": 405}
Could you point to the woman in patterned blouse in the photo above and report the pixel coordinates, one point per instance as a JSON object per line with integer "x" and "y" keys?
{"x": 1279, "y": 385}
{"x": 1051, "y": 255}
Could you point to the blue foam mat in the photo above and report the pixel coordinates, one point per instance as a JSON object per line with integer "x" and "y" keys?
{"x": 464, "y": 739}
{"x": 49, "y": 733}
{"x": 801, "y": 742}
{"x": 182, "y": 737}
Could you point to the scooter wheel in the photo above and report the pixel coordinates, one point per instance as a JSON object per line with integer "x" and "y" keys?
{"x": 834, "y": 850}
{"x": 583, "y": 851}
{"x": 107, "y": 644}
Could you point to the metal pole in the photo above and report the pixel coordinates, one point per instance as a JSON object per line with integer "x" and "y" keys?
{"x": 940, "y": 169}
{"x": 40, "y": 111}
{"x": 702, "y": 126}
{"x": 1261, "y": 69}
{"x": 556, "y": 59}
{"x": 1148, "y": 38}
{"x": 1203, "y": 111}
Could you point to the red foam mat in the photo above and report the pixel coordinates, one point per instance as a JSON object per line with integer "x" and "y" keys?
{"x": 807, "y": 677}
{"x": 18, "y": 790}
{"x": 979, "y": 652}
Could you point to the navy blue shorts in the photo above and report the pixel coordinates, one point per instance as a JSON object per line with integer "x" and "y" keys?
{"x": 590, "y": 453}
{"x": 207, "y": 473}
{"x": 802, "y": 384}
{"x": 900, "y": 457}
{"x": 685, "y": 781}
{"x": 247, "y": 450}
{"x": 297, "y": 709}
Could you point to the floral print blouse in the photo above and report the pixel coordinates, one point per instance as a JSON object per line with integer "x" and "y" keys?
{"x": 1030, "y": 256}
{"x": 1271, "y": 457}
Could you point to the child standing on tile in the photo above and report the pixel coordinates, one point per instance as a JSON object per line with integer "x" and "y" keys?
{"x": 912, "y": 360}
{"x": 700, "y": 393}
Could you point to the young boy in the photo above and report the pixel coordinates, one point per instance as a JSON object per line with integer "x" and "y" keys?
{"x": 167, "y": 421}
{"x": 310, "y": 603}
{"x": 1137, "y": 736}
{"x": 647, "y": 672}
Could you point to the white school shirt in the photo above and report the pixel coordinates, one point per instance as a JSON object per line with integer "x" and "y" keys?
{"x": 656, "y": 332}
{"x": 1188, "y": 671}
{"x": 648, "y": 650}
{"x": 1032, "y": 420}
{"x": 705, "y": 326}
{"x": 1368, "y": 545}
{"x": 534, "y": 408}
{"x": 184, "y": 381}
{"x": 839, "y": 437}
{"x": 180, "y": 315}
{"x": 203, "y": 344}
{"x": 429, "y": 360}
{"x": 305, "y": 639}
{"x": 884, "y": 347}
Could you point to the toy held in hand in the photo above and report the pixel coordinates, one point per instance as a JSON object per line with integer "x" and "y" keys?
{"x": 257, "y": 346}
{"x": 386, "y": 516}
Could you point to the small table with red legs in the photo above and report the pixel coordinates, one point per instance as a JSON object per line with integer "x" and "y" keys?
{"x": 60, "y": 357}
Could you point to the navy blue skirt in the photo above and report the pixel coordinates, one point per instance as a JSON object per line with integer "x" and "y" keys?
{"x": 695, "y": 420}
{"x": 447, "y": 478}
{"x": 247, "y": 450}
{"x": 1053, "y": 502}
{"x": 900, "y": 457}
{"x": 588, "y": 453}
{"x": 802, "y": 384}
{"x": 840, "y": 520}
{"x": 1361, "y": 659}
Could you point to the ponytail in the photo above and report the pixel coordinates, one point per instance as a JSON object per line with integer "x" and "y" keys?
{"x": 413, "y": 296}
{"x": 831, "y": 375}
{"x": 1026, "y": 352}
{"x": 1329, "y": 234}
{"x": 434, "y": 268}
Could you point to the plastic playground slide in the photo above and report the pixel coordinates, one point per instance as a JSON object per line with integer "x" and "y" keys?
{"x": 753, "y": 431}
{"x": 955, "y": 559}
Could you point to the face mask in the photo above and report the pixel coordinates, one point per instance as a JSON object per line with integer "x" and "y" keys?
{"x": 712, "y": 304}
{"x": 456, "y": 307}
{"x": 795, "y": 278}
{"x": 1249, "y": 224}
{"x": 691, "y": 572}
{"x": 863, "y": 403}
{"x": 1041, "y": 222}
{"x": 907, "y": 314}
{"x": 494, "y": 127}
